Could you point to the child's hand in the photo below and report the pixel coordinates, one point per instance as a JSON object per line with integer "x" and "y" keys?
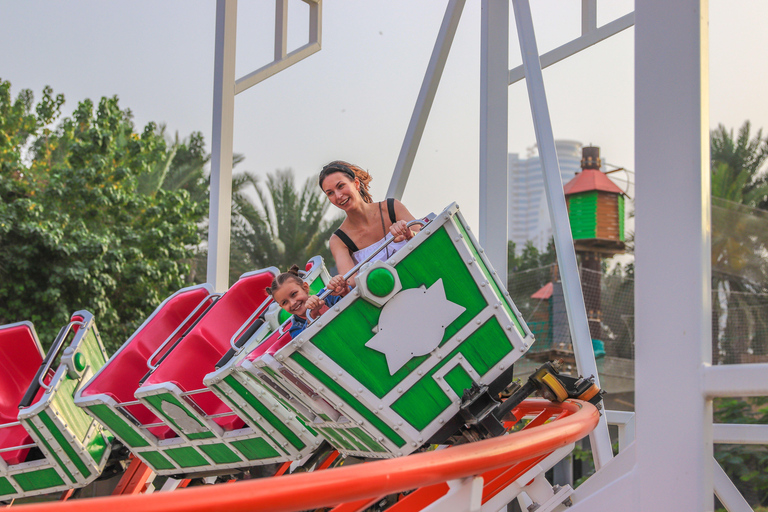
{"x": 337, "y": 285}
{"x": 400, "y": 231}
{"x": 314, "y": 304}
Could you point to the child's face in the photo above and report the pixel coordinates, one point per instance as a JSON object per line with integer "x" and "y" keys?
{"x": 292, "y": 297}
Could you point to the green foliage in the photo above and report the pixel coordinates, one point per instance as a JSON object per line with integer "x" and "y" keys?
{"x": 530, "y": 257}
{"x": 84, "y": 221}
{"x": 739, "y": 265}
{"x": 746, "y": 465}
{"x": 738, "y": 166}
{"x": 285, "y": 226}
{"x": 529, "y": 271}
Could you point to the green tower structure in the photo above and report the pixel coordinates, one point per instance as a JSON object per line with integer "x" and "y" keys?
{"x": 596, "y": 213}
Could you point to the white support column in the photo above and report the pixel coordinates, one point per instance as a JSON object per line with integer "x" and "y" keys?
{"x": 220, "y": 211}
{"x": 672, "y": 256}
{"x": 426, "y": 97}
{"x": 494, "y": 109}
{"x": 558, "y": 212}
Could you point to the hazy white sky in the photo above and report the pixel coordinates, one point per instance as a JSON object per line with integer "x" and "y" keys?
{"x": 354, "y": 98}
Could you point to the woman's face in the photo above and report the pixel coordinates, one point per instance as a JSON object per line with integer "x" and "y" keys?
{"x": 341, "y": 191}
{"x": 292, "y": 297}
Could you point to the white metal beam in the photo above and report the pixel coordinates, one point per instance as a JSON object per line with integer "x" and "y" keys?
{"x": 494, "y": 129}
{"x": 731, "y": 433}
{"x": 558, "y": 212}
{"x": 225, "y": 87}
{"x": 727, "y": 493}
{"x": 285, "y": 60}
{"x": 220, "y": 211}
{"x": 580, "y": 43}
{"x": 736, "y": 380}
{"x": 425, "y": 99}
{"x": 672, "y": 224}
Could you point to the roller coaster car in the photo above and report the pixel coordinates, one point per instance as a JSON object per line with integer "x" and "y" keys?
{"x": 206, "y": 434}
{"x": 285, "y": 423}
{"x": 49, "y": 444}
{"x": 109, "y": 396}
{"x": 385, "y": 369}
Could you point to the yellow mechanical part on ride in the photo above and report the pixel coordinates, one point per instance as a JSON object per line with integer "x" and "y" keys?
{"x": 589, "y": 393}
{"x": 555, "y": 386}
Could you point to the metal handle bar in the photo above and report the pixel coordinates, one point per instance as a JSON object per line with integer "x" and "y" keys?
{"x": 37, "y": 381}
{"x": 49, "y": 360}
{"x": 255, "y": 314}
{"x": 354, "y": 269}
{"x": 176, "y": 331}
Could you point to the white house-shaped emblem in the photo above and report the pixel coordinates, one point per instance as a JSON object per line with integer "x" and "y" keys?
{"x": 413, "y": 323}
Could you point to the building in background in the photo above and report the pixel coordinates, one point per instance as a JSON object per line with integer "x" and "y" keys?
{"x": 528, "y": 214}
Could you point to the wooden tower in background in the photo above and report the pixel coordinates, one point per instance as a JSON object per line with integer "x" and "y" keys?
{"x": 596, "y": 213}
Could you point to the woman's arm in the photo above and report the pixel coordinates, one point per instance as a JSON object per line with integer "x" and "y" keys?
{"x": 344, "y": 261}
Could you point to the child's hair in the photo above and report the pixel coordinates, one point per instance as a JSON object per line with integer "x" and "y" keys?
{"x": 291, "y": 275}
{"x": 351, "y": 171}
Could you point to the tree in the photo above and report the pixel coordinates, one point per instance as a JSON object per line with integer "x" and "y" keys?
{"x": 77, "y": 228}
{"x": 739, "y": 245}
{"x": 739, "y": 161}
{"x": 285, "y": 226}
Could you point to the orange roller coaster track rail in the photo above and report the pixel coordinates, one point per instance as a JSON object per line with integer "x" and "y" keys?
{"x": 573, "y": 420}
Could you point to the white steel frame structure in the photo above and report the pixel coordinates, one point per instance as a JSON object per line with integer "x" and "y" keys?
{"x": 225, "y": 88}
{"x": 665, "y": 460}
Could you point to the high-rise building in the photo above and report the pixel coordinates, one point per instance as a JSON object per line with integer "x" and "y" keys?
{"x": 528, "y": 212}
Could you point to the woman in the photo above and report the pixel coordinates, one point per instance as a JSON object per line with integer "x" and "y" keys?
{"x": 367, "y": 223}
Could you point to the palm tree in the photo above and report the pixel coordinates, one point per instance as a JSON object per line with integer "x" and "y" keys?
{"x": 742, "y": 159}
{"x": 739, "y": 244}
{"x": 284, "y": 226}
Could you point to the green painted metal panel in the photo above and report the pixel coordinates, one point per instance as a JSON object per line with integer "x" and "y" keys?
{"x": 65, "y": 444}
{"x": 332, "y": 436}
{"x": 367, "y": 440}
{"x": 352, "y": 439}
{"x": 6, "y": 487}
{"x": 220, "y": 454}
{"x": 156, "y": 460}
{"x": 116, "y": 424}
{"x": 582, "y": 213}
{"x": 485, "y": 347}
{"x": 78, "y": 422}
{"x": 348, "y": 399}
{"x": 186, "y": 457}
{"x": 34, "y": 480}
{"x": 249, "y": 398}
{"x": 53, "y": 453}
{"x": 344, "y": 338}
{"x": 255, "y": 449}
{"x": 268, "y": 415}
{"x": 459, "y": 380}
{"x": 500, "y": 294}
{"x": 157, "y": 401}
{"x": 621, "y": 217}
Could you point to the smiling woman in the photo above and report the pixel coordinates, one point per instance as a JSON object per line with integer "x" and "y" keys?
{"x": 367, "y": 223}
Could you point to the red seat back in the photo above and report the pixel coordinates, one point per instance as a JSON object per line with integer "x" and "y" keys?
{"x": 20, "y": 357}
{"x": 120, "y": 377}
{"x": 198, "y": 352}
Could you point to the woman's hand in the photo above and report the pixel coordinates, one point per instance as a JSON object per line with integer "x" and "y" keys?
{"x": 400, "y": 231}
{"x": 337, "y": 285}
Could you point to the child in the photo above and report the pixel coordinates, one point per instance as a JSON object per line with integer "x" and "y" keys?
{"x": 291, "y": 293}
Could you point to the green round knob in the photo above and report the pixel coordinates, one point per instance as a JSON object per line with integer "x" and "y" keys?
{"x": 380, "y": 282}
{"x": 79, "y": 362}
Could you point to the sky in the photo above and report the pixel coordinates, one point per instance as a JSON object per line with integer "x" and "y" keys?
{"x": 353, "y": 99}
